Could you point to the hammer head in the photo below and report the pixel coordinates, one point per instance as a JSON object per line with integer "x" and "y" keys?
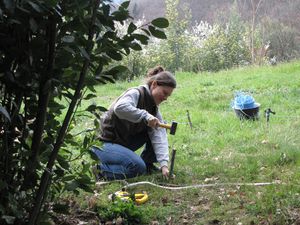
{"x": 173, "y": 128}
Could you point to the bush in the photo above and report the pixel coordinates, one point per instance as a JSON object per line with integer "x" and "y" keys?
{"x": 224, "y": 49}
{"x": 202, "y": 47}
{"x": 125, "y": 210}
{"x": 52, "y": 52}
{"x": 283, "y": 40}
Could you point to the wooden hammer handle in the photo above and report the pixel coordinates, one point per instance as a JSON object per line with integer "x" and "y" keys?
{"x": 168, "y": 126}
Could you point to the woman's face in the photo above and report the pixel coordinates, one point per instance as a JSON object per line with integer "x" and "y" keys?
{"x": 160, "y": 93}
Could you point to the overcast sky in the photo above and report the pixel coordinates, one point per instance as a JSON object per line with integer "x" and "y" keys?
{"x": 118, "y": 1}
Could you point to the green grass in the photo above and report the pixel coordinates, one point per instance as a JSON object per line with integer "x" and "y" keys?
{"x": 222, "y": 149}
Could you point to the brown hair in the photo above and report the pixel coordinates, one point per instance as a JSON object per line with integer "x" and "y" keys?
{"x": 162, "y": 77}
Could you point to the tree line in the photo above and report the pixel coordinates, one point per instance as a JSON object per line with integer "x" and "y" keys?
{"x": 230, "y": 34}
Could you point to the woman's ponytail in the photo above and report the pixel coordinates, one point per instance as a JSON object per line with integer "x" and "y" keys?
{"x": 162, "y": 77}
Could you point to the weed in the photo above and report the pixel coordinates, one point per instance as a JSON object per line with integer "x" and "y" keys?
{"x": 126, "y": 210}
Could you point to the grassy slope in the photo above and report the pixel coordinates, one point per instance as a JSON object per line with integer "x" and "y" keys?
{"x": 222, "y": 149}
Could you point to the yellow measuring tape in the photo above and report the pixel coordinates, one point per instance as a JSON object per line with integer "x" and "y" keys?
{"x": 138, "y": 198}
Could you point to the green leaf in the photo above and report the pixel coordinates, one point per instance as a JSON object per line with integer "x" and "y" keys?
{"x": 86, "y": 187}
{"x": 62, "y": 162}
{"x": 125, "y": 4}
{"x": 84, "y": 182}
{"x": 93, "y": 156}
{"x": 84, "y": 53}
{"x": 71, "y": 186}
{"x": 114, "y": 55}
{"x": 120, "y": 68}
{"x": 109, "y": 35}
{"x": 68, "y": 39}
{"x": 55, "y": 106}
{"x": 135, "y": 46}
{"x": 120, "y": 15}
{"x": 99, "y": 69}
{"x": 160, "y": 22}
{"x": 4, "y": 112}
{"x": 35, "y": 7}
{"x": 85, "y": 142}
{"x": 46, "y": 150}
{"x": 68, "y": 178}
{"x": 142, "y": 38}
{"x": 132, "y": 27}
{"x": 146, "y": 31}
{"x": 86, "y": 167}
{"x": 115, "y": 70}
{"x": 104, "y": 78}
{"x": 127, "y": 50}
{"x": 89, "y": 96}
{"x": 106, "y": 9}
{"x": 59, "y": 172}
{"x": 104, "y": 21}
{"x": 92, "y": 108}
{"x": 157, "y": 33}
{"x": 91, "y": 88}
{"x": 101, "y": 108}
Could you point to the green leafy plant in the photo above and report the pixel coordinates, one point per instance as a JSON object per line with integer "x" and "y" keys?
{"x": 126, "y": 210}
{"x": 53, "y": 53}
{"x": 226, "y": 47}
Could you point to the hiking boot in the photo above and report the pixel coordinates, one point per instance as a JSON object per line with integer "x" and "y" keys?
{"x": 151, "y": 168}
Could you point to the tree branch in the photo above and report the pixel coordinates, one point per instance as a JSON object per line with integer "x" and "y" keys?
{"x": 43, "y": 102}
{"x": 47, "y": 173}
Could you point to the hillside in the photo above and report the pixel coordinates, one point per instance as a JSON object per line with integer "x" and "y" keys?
{"x": 211, "y": 10}
{"x": 231, "y": 155}
{"x": 201, "y": 9}
{"x": 274, "y": 21}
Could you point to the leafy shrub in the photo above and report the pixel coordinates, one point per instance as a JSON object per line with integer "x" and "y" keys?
{"x": 126, "y": 210}
{"x": 202, "y": 47}
{"x": 52, "y": 52}
{"x": 225, "y": 48}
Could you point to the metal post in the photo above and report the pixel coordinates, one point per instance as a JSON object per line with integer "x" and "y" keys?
{"x": 172, "y": 163}
{"x": 268, "y": 113}
{"x": 189, "y": 119}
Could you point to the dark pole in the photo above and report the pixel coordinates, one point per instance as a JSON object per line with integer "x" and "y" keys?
{"x": 172, "y": 163}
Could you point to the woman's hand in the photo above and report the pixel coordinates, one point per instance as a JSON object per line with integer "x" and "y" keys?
{"x": 165, "y": 172}
{"x": 153, "y": 122}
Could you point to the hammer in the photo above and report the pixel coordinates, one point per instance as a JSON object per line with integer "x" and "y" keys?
{"x": 171, "y": 127}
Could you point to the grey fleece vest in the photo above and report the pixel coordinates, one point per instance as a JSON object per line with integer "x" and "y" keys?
{"x": 121, "y": 131}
